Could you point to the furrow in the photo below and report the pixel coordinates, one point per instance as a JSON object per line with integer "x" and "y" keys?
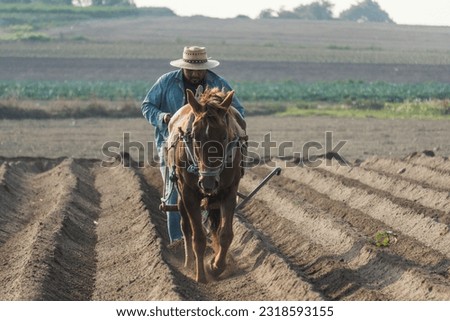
{"x": 304, "y": 215}
{"x": 32, "y": 253}
{"x": 418, "y": 173}
{"x": 17, "y": 193}
{"x": 130, "y": 265}
{"x": 406, "y": 220}
{"x": 11, "y": 190}
{"x": 277, "y": 278}
{"x": 305, "y": 233}
{"x": 431, "y": 202}
{"x": 440, "y": 164}
{"x": 362, "y": 271}
{"x": 73, "y": 262}
{"x": 26, "y": 205}
{"x": 362, "y": 224}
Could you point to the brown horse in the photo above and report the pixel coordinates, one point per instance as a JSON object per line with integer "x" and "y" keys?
{"x": 205, "y": 156}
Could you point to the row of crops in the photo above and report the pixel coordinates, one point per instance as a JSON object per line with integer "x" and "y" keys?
{"x": 340, "y": 91}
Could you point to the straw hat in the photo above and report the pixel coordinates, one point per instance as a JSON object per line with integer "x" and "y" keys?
{"x": 195, "y": 58}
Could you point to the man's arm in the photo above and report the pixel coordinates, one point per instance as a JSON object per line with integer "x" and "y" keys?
{"x": 151, "y": 106}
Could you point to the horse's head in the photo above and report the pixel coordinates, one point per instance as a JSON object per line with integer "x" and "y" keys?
{"x": 211, "y": 135}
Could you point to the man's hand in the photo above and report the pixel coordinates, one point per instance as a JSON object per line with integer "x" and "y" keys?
{"x": 166, "y": 118}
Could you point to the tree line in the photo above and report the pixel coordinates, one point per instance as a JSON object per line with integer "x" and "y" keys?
{"x": 366, "y": 10}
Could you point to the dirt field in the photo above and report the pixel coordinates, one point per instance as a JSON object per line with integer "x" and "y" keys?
{"x": 112, "y": 69}
{"x": 249, "y": 50}
{"x": 71, "y": 229}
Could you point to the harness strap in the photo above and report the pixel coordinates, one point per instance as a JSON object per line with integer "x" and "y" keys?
{"x": 193, "y": 167}
{"x": 189, "y": 125}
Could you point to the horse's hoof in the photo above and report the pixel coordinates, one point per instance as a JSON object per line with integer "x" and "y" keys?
{"x": 215, "y": 270}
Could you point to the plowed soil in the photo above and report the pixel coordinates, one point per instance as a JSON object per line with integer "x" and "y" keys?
{"x": 71, "y": 229}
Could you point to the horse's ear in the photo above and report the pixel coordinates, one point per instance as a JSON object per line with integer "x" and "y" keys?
{"x": 228, "y": 99}
{"x": 199, "y": 92}
{"x": 196, "y": 106}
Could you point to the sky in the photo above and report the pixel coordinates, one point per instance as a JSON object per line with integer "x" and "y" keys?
{"x": 410, "y": 12}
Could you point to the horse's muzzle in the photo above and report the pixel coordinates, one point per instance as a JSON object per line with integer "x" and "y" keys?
{"x": 209, "y": 185}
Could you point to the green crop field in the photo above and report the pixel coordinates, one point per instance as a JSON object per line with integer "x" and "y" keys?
{"x": 284, "y": 91}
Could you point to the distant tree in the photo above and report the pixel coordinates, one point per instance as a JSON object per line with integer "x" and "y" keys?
{"x": 267, "y": 14}
{"x": 241, "y": 16}
{"x": 286, "y": 14}
{"x": 319, "y": 10}
{"x": 366, "y": 10}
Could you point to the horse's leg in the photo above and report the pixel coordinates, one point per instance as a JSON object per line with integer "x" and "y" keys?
{"x": 192, "y": 207}
{"x": 214, "y": 218}
{"x": 199, "y": 239}
{"x": 225, "y": 233}
{"x": 187, "y": 234}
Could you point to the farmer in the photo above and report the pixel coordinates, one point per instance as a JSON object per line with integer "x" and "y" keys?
{"x": 168, "y": 95}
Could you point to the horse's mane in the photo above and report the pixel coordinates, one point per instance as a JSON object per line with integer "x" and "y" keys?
{"x": 216, "y": 115}
{"x": 212, "y": 95}
{"x": 211, "y": 99}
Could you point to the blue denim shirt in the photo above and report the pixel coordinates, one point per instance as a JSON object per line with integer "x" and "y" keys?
{"x": 167, "y": 95}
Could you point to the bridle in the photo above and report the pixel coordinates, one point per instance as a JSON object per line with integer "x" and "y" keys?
{"x": 188, "y": 141}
